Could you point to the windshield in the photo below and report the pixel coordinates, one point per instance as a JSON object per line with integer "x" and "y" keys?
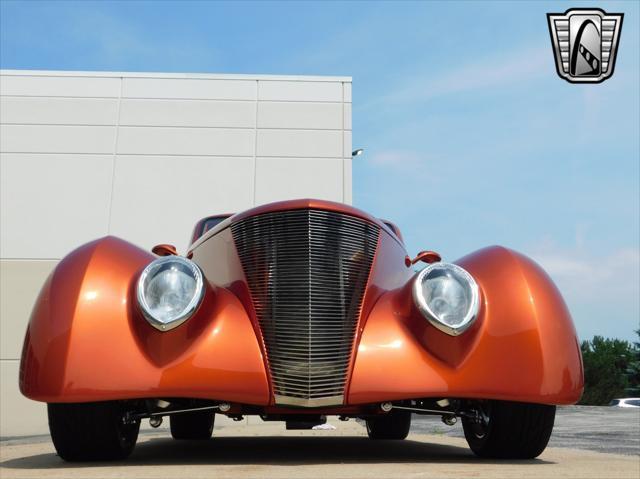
{"x": 210, "y": 223}
{"x": 205, "y": 225}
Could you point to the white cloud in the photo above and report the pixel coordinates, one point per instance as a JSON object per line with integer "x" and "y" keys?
{"x": 601, "y": 288}
{"x": 610, "y": 273}
{"x": 563, "y": 267}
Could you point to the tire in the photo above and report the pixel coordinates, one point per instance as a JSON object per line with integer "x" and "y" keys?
{"x": 513, "y": 431}
{"x": 394, "y": 425}
{"x": 192, "y": 426}
{"x": 91, "y": 431}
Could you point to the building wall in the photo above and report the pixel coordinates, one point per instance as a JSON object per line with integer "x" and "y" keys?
{"x": 143, "y": 157}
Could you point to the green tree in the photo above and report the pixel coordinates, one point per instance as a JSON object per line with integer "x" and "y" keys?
{"x": 633, "y": 370}
{"x": 606, "y": 362}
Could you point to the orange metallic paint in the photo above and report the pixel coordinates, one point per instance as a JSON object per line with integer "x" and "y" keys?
{"x": 427, "y": 257}
{"x": 523, "y": 346}
{"x": 164, "y": 250}
{"x": 87, "y": 341}
{"x": 219, "y": 261}
{"x": 394, "y": 228}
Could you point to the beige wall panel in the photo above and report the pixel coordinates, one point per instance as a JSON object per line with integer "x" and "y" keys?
{"x": 186, "y": 149}
{"x": 214, "y": 113}
{"x": 51, "y": 204}
{"x": 308, "y": 115}
{"x": 45, "y": 85}
{"x": 347, "y": 116}
{"x": 299, "y": 90}
{"x": 347, "y": 146}
{"x": 195, "y": 88}
{"x": 347, "y": 92}
{"x": 56, "y": 139}
{"x": 348, "y": 180}
{"x": 59, "y": 111}
{"x": 159, "y": 199}
{"x": 300, "y": 143}
{"x": 185, "y": 141}
{"x": 19, "y": 416}
{"x": 20, "y": 283}
{"x": 290, "y": 178}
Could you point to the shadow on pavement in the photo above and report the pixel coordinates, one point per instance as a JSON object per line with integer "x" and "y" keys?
{"x": 283, "y": 451}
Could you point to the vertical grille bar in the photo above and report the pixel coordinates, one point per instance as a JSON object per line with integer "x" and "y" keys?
{"x": 307, "y": 271}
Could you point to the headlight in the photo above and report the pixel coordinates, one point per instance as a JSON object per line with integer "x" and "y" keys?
{"x": 169, "y": 291}
{"x": 447, "y": 296}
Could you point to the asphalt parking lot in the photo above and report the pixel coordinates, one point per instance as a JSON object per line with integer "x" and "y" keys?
{"x": 602, "y": 429}
{"x": 588, "y": 443}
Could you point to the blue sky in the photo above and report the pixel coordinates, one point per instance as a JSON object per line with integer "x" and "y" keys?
{"x": 471, "y": 138}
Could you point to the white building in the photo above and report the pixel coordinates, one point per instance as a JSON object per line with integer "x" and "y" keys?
{"x": 143, "y": 157}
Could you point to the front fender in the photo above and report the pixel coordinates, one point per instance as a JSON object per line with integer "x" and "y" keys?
{"x": 87, "y": 341}
{"x": 523, "y": 346}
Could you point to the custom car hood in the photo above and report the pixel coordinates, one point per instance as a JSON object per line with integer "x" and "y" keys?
{"x": 307, "y": 272}
{"x": 305, "y": 203}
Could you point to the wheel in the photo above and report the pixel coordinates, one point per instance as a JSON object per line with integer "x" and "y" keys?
{"x": 393, "y": 425}
{"x": 91, "y": 431}
{"x": 509, "y": 430}
{"x": 197, "y": 425}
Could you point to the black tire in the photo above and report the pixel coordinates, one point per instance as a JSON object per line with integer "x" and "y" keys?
{"x": 393, "y": 425}
{"x": 193, "y": 426}
{"x": 91, "y": 431}
{"x": 512, "y": 430}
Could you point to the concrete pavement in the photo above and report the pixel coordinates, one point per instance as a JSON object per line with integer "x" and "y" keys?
{"x": 266, "y": 450}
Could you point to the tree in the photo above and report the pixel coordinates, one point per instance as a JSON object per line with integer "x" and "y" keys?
{"x": 633, "y": 370}
{"x": 606, "y": 362}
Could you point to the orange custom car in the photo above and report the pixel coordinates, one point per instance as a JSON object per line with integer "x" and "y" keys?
{"x": 294, "y": 311}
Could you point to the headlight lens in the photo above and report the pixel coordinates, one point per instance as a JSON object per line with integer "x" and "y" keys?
{"x": 447, "y": 296}
{"x": 169, "y": 291}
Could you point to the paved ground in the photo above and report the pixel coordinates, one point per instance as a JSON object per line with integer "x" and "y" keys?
{"x": 602, "y": 429}
{"x": 267, "y": 450}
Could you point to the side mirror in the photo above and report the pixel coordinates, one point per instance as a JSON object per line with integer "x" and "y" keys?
{"x": 426, "y": 257}
{"x": 164, "y": 250}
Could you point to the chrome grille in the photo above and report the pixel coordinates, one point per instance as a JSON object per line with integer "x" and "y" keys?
{"x": 307, "y": 271}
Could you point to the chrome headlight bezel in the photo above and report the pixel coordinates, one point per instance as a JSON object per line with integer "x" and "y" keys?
{"x": 423, "y": 306}
{"x": 191, "y": 307}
